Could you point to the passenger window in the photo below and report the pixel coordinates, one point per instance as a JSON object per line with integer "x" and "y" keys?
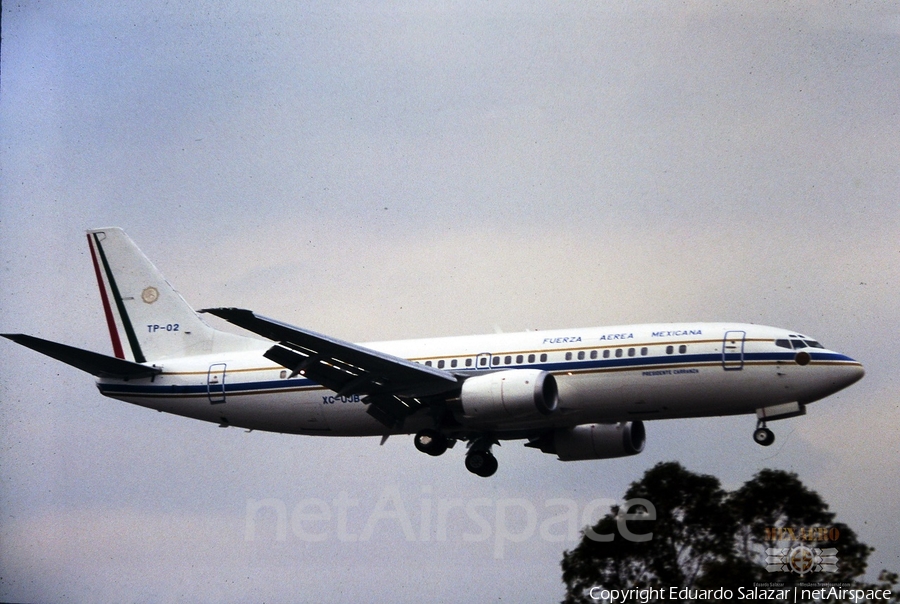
{"x": 544, "y": 358}
{"x": 580, "y": 355}
{"x": 453, "y": 363}
{"x": 483, "y": 361}
{"x": 606, "y": 353}
{"x": 593, "y": 354}
{"x": 618, "y": 352}
{"x": 495, "y": 361}
{"x": 441, "y": 364}
{"x": 644, "y": 351}
{"x": 682, "y": 349}
{"x": 507, "y": 360}
{"x": 631, "y": 352}
{"x": 670, "y": 349}
{"x": 428, "y": 363}
{"x": 531, "y": 358}
{"x": 469, "y": 362}
{"x": 568, "y": 356}
{"x": 520, "y": 358}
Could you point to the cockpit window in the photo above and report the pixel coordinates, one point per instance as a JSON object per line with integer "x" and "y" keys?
{"x": 797, "y": 344}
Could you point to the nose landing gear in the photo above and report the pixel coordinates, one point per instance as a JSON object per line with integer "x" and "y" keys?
{"x": 762, "y": 435}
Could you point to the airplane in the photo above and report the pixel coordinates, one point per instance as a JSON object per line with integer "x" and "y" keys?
{"x": 579, "y": 394}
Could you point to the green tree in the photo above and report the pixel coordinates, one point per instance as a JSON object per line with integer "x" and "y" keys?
{"x": 706, "y": 538}
{"x": 777, "y": 499}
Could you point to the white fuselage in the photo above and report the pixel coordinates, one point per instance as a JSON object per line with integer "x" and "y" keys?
{"x": 604, "y": 374}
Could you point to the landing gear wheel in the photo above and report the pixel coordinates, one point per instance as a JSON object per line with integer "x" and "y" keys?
{"x": 431, "y": 442}
{"x": 763, "y": 436}
{"x": 482, "y": 463}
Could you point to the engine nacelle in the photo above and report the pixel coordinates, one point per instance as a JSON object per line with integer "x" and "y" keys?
{"x": 508, "y": 394}
{"x": 595, "y": 441}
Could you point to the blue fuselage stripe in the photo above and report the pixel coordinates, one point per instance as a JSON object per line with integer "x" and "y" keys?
{"x": 581, "y": 366}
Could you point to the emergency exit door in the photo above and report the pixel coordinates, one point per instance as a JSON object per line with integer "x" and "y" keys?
{"x": 733, "y": 350}
{"x": 215, "y": 383}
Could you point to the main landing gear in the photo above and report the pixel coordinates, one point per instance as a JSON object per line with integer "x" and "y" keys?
{"x": 432, "y": 442}
{"x": 479, "y": 460}
{"x": 481, "y": 463}
{"x": 762, "y": 435}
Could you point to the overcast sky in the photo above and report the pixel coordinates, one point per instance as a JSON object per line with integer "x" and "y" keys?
{"x": 398, "y": 170}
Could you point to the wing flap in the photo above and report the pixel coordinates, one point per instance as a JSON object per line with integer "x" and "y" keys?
{"x": 320, "y": 370}
{"x": 338, "y": 365}
{"x": 391, "y": 410}
{"x": 99, "y": 365}
{"x": 387, "y": 408}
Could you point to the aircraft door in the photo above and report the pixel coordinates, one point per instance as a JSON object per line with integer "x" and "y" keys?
{"x": 733, "y": 350}
{"x": 215, "y": 383}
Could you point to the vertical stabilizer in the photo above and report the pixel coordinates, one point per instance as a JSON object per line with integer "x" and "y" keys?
{"x": 148, "y": 320}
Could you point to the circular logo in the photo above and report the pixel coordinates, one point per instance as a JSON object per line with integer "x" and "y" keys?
{"x": 150, "y": 295}
{"x": 801, "y": 559}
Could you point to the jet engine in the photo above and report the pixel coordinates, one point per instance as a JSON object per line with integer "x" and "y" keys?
{"x": 594, "y": 441}
{"x": 509, "y": 394}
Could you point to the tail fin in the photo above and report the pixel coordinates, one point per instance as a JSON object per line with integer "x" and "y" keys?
{"x": 148, "y": 320}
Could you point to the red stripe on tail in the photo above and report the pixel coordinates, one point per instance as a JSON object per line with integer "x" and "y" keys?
{"x": 110, "y": 320}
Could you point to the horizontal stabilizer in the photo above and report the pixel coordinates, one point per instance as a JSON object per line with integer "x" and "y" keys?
{"x": 96, "y": 364}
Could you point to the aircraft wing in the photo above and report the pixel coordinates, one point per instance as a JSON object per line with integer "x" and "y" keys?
{"x": 391, "y": 385}
{"x": 99, "y": 365}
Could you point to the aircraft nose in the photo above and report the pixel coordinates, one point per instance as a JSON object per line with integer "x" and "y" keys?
{"x": 851, "y": 373}
{"x": 856, "y": 373}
